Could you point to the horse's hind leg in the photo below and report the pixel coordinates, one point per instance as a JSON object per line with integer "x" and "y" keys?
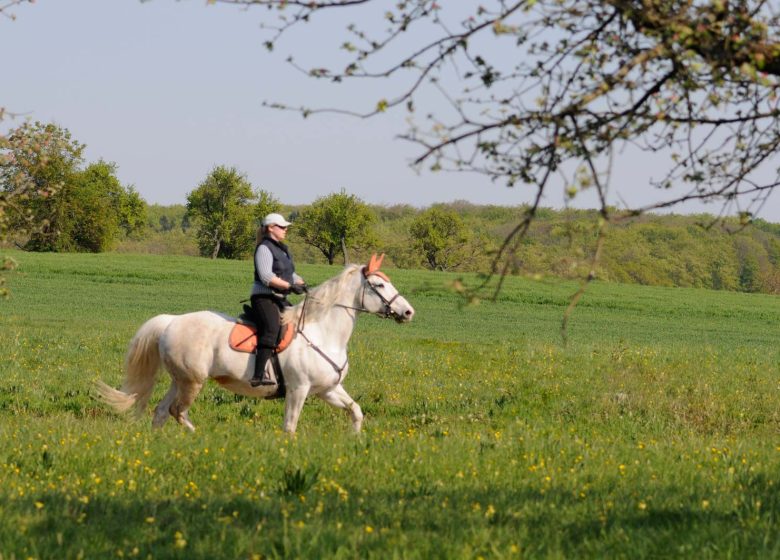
{"x": 339, "y": 398}
{"x": 185, "y": 396}
{"x": 162, "y": 410}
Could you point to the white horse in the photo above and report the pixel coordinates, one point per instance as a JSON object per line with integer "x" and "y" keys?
{"x": 194, "y": 347}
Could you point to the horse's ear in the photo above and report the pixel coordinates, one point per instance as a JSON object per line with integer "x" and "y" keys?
{"x": 374, "y": 263}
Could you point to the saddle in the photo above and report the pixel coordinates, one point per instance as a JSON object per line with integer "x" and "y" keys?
{"x": 243, "y": 336}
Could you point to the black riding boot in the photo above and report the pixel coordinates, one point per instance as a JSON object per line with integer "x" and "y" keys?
{"x": 261, "y": 376}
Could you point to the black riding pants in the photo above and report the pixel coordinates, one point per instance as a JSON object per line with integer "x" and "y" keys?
{"x": 268, "y": 314}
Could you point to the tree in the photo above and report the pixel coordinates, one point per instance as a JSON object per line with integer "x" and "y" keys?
{"x": 100, "y": 208}
{"x": 695, "y": 80}
{"x": 93, "y": 224}
{"x": 266, "y": 204}
{"x": 336, "y": 221}
{"x": 130, "y": 209}
{"x": 60, "y": 206}
{"x": 442, "y": 237}
{"x": 38, "y": 163}
{"x": 224, "y": 208}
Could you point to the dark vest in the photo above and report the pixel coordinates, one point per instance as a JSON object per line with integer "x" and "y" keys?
{"x": 283, "y": 266}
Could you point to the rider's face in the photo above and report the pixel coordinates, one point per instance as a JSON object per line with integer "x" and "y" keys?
{"x": 278, "y": 232}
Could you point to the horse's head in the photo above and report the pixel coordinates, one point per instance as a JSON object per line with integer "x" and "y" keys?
{"x": 380, "y": 297}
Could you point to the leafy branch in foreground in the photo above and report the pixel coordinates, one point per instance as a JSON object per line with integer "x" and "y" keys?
{"x": 698, "y": 79}
{"x": 6, "y": 7}
{"x": 541, "y": 88}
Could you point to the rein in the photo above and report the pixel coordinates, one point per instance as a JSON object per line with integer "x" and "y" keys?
{"x": 299, "y": 329}
{"x": 386, "y": 313}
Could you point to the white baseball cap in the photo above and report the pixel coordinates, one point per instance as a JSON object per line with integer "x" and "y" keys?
{"x": 275, "y": 219}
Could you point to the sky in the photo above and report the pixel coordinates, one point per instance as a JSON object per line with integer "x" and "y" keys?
{"x": 168, "y": 90}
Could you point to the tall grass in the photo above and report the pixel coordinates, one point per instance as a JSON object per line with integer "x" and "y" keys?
{"x": 654, "y": 433}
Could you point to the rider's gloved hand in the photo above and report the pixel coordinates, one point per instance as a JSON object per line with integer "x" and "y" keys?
{"x": 298, "y": 288}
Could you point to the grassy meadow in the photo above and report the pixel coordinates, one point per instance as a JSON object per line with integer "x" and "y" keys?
{"x": 654, "y": 433}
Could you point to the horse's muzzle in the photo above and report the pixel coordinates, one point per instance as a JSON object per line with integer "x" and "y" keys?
{"x": 405, "y": 316}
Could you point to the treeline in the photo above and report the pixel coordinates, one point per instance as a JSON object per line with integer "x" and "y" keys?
{"x": 51, "y": 200}
{"x": 660, "y": 250}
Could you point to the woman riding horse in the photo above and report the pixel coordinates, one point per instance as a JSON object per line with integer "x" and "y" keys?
{"x": 194, "y": 348}
{"x": 275, "y": 277}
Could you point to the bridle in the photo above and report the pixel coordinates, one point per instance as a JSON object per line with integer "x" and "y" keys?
{"x": 385, "y": 313}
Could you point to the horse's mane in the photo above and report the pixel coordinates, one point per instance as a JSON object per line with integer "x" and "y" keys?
{"x": 321, "y": 298}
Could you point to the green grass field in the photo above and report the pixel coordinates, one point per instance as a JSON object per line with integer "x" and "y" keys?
{"x": 654, "y": 433}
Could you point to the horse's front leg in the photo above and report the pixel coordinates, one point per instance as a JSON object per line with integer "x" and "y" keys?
{"x": 339, "y": 398}
{"x": 293, "y": 404}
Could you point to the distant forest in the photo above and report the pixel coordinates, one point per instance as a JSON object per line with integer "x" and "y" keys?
{"x": 660, "y": 250}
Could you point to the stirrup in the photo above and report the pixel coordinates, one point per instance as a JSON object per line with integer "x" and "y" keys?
{"x": 262, "y": 382}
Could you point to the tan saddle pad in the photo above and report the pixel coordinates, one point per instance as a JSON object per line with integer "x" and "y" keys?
{"x": 243, "y": 337}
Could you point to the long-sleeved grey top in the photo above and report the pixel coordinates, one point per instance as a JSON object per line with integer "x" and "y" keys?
{"x": 264, "y": 261}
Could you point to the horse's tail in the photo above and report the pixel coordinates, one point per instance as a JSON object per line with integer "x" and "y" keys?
{"x": 141, "y": 366}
